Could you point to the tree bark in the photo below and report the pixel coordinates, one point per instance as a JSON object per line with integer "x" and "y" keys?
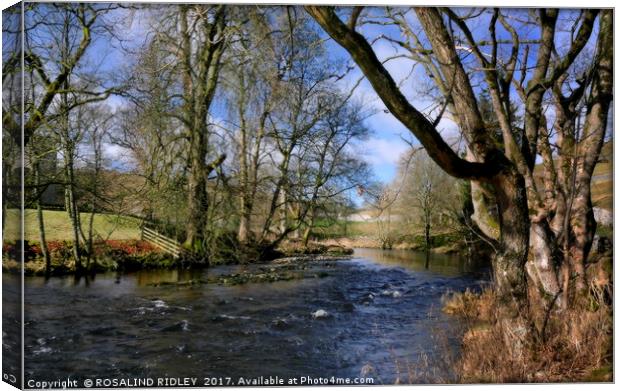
{"x": 482, "y": 216}
{"x": 73, "y": 211}
{"x": 427, "y": 236}
{"x": 308, "y": 230}
{"x": 245, "y": 201}
{"x": 43, "y": 242}
{"x": 197, "y": 199}
{"x": 509, "y": 262}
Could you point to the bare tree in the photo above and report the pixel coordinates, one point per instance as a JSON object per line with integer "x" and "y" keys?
{"x": 97, "y": 127}
{"x": 252, "y": 80}
{"x": 58, "y": 37}
{"x": 427, "y": 193}
{"x": 332, "y": 166}
{"x": 305, "y": 78}
{"x": 12, "y": 95}
{"x": 194, "y": 37}
{"x": 150, "y": 130}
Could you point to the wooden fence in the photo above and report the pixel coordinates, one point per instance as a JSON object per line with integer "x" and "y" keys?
{"x": 162, "y": 242}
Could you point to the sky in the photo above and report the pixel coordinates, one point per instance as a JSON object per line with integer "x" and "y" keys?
{"x": 389, "y": 139}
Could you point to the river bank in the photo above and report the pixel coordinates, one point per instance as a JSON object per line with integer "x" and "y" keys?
{"x": 109, "y": 255}
{"x": 441, "y": 244}
{"x": 134, "y": 255}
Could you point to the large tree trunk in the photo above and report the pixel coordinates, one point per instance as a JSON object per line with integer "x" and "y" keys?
{"x": 71, "y": 204}
{"x": 197, "y": 198}
{"x": 509, "y": 274}
{"x": 509, "y": 262}
{"x": 482, "y": 216}
{"x": 201, "y": 66}
{"x": 583, "y": 228}
{"x": 568, "y": 194}
{"x": 542, "y": 265}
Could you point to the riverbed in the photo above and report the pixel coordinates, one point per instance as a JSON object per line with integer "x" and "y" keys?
{"x": 377, "y": 315}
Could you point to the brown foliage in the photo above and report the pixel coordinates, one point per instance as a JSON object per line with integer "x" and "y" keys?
{"x": 575, "y": 344}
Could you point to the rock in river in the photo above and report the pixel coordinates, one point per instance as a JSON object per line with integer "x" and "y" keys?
{"x": 320, "y": 314}
{"x": 280, "y": 324}
{"x": 391, "y": 293}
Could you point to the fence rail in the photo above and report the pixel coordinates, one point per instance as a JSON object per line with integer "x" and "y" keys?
{"x": 164, "y": 243}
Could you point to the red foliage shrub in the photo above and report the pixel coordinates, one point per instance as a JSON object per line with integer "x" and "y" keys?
{"x": 62, "y": 249}
{"x": 35, "y": 250}
{"x": 7, "y": 248}
{"x": 130, "y": 247}
{"x": 56, "y": 245}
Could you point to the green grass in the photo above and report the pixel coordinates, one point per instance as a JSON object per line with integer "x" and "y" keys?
{"x": 58, "y": 225}
{"x": 353, "y": 229}
{"x": 362, "y": 228}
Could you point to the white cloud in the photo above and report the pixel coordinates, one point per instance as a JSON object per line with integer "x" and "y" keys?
{"x": 117, "y": 156}
{"x": 378, "y": 151}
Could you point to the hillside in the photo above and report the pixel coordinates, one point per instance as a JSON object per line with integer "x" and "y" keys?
{"x": 602, "y": 180}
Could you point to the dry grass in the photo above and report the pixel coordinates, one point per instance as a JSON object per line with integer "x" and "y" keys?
{"x": 294, "y": 247}
{"x": 602, "y": 194}
{"x": 576, "y": 345}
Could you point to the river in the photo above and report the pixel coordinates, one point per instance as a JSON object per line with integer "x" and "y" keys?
{"x": 383, "y": 315}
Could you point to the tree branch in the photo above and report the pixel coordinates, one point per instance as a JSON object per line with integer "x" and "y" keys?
{"x": 386, "y": 88}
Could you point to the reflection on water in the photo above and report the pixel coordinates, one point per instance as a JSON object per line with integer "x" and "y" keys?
{"x": 378, "y": 311}
{"x": 148, "y": 277}
{"x": 445, "y": 264}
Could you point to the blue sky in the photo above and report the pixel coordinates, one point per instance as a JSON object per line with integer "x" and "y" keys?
{"x": 387, "y": 142}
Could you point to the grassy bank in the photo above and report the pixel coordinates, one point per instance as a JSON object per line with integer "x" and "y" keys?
{"x": 109, "y": 255}
{"x": 116, "y": 243}
{"x": 58, "y": 226}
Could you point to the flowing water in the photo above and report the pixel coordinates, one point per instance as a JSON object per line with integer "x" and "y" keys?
{"x": 381, "y": 314}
